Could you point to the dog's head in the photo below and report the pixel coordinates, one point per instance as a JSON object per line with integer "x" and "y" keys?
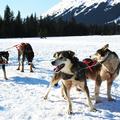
{"x": 62, "y": 60}
{"x": 4, "y": 56}
{"x": 29, "y": 53}
{"x": 101, "y": 54}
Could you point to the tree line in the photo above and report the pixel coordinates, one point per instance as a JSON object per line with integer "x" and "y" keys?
{"x": 14, "y": 26}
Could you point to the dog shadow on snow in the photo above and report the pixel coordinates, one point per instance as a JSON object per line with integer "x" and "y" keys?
{"x": 29, "y": 80}
{"x": 2, "y": 108}
{"x": 112, "y": 106}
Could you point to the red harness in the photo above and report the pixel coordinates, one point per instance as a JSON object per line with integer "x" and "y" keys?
{"x": 90, "y": 63}
{"x": 20, "y": 46}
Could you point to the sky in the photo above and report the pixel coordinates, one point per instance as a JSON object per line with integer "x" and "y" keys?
{"x": 27, "y": 7}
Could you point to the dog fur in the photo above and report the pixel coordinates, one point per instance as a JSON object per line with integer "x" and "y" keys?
{"x": 68, "y": 68}
{"x": 4, "y": 56}
{"x": 110, "y": 66}
{"x": 25, "y": 50}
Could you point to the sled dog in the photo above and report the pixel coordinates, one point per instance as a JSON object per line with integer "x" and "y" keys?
{"x": 25, "y": 50}
{"x": 110, "y": 66}
{"x": 71, "y": 71}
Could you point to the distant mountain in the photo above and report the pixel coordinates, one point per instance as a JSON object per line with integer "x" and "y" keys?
{"x": 87, "y": 11}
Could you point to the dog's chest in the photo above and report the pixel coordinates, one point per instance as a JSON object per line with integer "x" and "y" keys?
{"x": 66, "y": 76}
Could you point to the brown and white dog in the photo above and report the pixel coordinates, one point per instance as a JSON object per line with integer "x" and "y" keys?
{"x": 4, "y": 56}
{"x": 110, "y": 66}
{"x": 25, "y": 50}
{"x": 72, "y": 73}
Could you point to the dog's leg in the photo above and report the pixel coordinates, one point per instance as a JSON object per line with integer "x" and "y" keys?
{"x": 31, "y": 70}
{"x": 4, "y": 71}
{"x": 23, "y": 59}
{"x": 18, "y": 61}
{"x": 54, "y": 81}
{"x": 66, "y": 88}
{"x": 109, "y": 85}
{"x": 63, "y": 91}
{"x": 97, "y": 88}
{"x": 85, "y": 89}
{"x": 69, "y": 111}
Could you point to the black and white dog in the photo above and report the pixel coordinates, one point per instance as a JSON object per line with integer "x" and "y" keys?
{"x": 4, "y": 56}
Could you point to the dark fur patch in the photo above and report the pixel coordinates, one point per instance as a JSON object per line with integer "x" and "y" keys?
{"x": 4, "y": 57}
{"x": 4, "y": 54}
{"x": 29, "y": 54}
{"x": 65, "y": 76}
{"x": 67, "y": 54}
{"x": 103, "y": 52}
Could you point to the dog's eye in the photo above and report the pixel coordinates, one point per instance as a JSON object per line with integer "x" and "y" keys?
{"x": 61, "y": 57}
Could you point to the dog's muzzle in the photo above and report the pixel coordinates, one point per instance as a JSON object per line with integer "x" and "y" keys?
{"x": 58, "y": 67}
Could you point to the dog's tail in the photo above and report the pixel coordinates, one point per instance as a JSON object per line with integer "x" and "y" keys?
{"x": 11, "y": 47}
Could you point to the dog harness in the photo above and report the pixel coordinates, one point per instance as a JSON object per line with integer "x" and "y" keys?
{"x": 90, "y": 63}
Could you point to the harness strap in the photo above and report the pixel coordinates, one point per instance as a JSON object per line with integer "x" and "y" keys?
{"x": 90, "y": 66}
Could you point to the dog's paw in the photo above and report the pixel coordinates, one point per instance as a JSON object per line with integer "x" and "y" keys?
{"x": 92, "y": 97}
{"x": 93, "y": 110}
{"x": 45, "y": 97}
{"x": 6, "y": 78}
{"x": 64, "y": 97}
{"x": 111, "y": 100}
{"x": 69, "y": 112}
{"x": 98, "y": 101}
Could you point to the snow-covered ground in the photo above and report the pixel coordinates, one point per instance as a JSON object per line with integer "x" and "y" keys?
{"x": 21, "y": 97}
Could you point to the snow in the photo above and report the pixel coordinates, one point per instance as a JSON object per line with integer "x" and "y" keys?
{"x": 69, "y": 5}
{"x": 116, "y": 21}
{"x": 21, "y": 97}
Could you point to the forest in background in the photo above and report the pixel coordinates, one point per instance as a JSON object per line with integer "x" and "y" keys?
{"x": 14, "y": 26}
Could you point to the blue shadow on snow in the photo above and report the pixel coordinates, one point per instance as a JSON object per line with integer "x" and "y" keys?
{"x": 2, "y": 108}
{"x": 29, "y": 80}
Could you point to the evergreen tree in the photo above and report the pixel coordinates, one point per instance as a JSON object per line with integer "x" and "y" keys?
{"x": 8, "y": 29}
{"x": 18, "y": 26}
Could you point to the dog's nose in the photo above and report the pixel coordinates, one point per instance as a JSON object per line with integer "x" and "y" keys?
{"x": 90, "y": 56}
{"x": 53, "y": 62}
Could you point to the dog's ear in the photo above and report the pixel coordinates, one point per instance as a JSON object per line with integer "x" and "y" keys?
{"x": 55, "y": 55}
{"x": 105, "y": 47}
{"x": 71, "y": 53}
